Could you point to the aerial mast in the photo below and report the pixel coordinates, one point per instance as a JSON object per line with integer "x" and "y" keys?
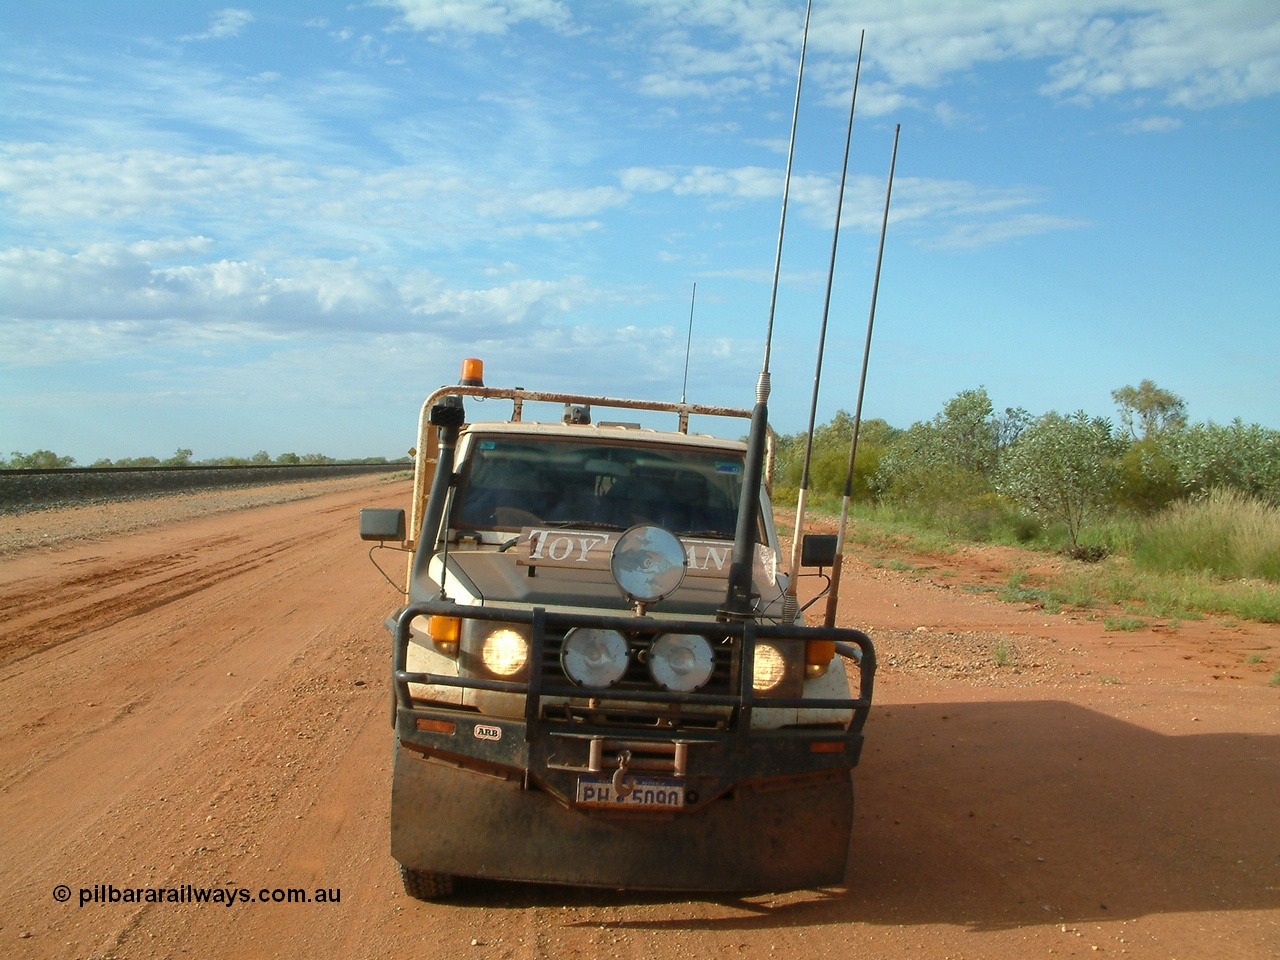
{"x": 833, "y": 594}
{"x": 789, "y": 602}
{"x": 688, "y": 344}
{"x": 737, "y": 603}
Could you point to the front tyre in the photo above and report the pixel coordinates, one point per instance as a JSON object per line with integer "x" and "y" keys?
{"x": 425, "y": 885}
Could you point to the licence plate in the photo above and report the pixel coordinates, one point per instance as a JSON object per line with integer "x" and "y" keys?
{"x": 647, "y": 793}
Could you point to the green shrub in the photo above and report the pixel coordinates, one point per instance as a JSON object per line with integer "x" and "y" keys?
{"x": 1063, "y": 470}
{"x": 1147, "y": 480}
{"x": 39, "y": 460}
{"x": 986, "y": 518}
{"x": 829, "y": 457}
{"x": 1241, "y": 456}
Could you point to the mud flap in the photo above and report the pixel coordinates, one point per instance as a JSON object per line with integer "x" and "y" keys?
{"x": 453, "y": 821}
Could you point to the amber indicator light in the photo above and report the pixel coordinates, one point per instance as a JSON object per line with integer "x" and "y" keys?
{"x": 827, "y": 746}
{"x": 435, "y": 726}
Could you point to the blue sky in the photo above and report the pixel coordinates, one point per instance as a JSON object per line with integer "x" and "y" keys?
{"x": 279, "y": 225}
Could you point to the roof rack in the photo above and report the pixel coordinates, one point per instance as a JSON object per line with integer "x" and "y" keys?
{"x": 519, "y": 395}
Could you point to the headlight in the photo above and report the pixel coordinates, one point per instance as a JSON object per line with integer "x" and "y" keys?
{"x": 593, "y": 657}
{"x": 504, "y": 652}
{"x": 681, "y": 662}
{"x": 769, "y": 668}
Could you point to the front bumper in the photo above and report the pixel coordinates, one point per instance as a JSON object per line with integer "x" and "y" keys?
{"x": 447, "y": 820}
{"x": 477, "y": 795}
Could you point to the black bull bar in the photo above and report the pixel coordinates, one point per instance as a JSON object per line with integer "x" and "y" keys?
{"x": 552, "y": 751}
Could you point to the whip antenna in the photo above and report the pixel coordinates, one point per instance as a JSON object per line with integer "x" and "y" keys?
{"x": 688, "y": 343}
{"x": 833, "y": 596}
{"x": 789, "y": 602}
{"x": 738, "y": 596}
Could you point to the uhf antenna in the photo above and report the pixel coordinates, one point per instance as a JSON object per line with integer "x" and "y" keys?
{"x": 789, "y": 601}
{"x": 829, "y": 618}
{"x": 688, "y": 343}
{"x": 738, "y": 596}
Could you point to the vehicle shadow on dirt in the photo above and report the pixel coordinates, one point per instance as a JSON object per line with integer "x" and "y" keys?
{"x": 1006, "y": 814}
{"x": 1012, "y": 814}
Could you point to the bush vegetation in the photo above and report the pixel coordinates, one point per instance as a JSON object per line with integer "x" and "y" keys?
{"x": 1192, "y": 510}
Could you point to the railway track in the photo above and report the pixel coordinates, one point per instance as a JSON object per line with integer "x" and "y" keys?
{"x": 24, "y": 490}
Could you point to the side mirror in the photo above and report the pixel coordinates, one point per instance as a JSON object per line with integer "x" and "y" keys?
{"x": 382, "y": 523}
{"x": 818, "y": 550}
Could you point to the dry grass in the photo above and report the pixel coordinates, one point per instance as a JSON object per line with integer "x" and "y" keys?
{"x": 1228, "y": 535}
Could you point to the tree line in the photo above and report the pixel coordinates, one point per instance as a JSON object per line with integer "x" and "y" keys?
{"x": 973, "y": 468}
{"x": 48, "y": 460}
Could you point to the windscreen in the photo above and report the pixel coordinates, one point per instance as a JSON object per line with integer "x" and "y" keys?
{"x": 512, "y": 482}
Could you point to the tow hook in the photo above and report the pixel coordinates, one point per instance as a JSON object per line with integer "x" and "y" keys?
{"x": 622, "y": 784}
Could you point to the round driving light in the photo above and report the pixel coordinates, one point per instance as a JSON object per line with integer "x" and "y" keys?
{"x": 681, "y": 662}
{"x": 648, "y": 563}
{"x": 592, "y": 657}
{"x": 504, "y": 652}
{"x": 769, "y": 668}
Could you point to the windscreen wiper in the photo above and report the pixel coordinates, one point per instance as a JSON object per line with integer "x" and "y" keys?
{"x": 582, "y": 524}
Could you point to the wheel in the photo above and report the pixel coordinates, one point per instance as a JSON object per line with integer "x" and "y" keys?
{"x": 425, "y": 885}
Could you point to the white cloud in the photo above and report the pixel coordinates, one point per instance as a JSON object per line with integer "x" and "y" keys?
{"x": 169, "y": 248}
{"x": 736, "y": 183}
{"x": 547, "y": 231}
{"x": 515, "y": 303}
{"x": 158, "y": 102}
{"x": 1151, "y": 125}
{"x": 918, "y": 198}
{"x": 751, "y": 183}
{"x": 1189, "y": 53}
{"x": 1195, "y": 55}
{"x": 267, "y": 199}
{"x": 961, "y": 213}
{"x": 674, "y": 86}
{"x": 50, "y": 182}
{"x": 115, "y": 299}
{"x": 583, "y": 202}
{"x": 957, "y": 214}
{"x": 1001, "y": 230}
{"x": 479, "y": 16}
{"x": 226, "y": 23}
{"x": 646, "y": 179}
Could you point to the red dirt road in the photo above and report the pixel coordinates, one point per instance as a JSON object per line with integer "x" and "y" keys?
{"x": 205, "y": 703}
